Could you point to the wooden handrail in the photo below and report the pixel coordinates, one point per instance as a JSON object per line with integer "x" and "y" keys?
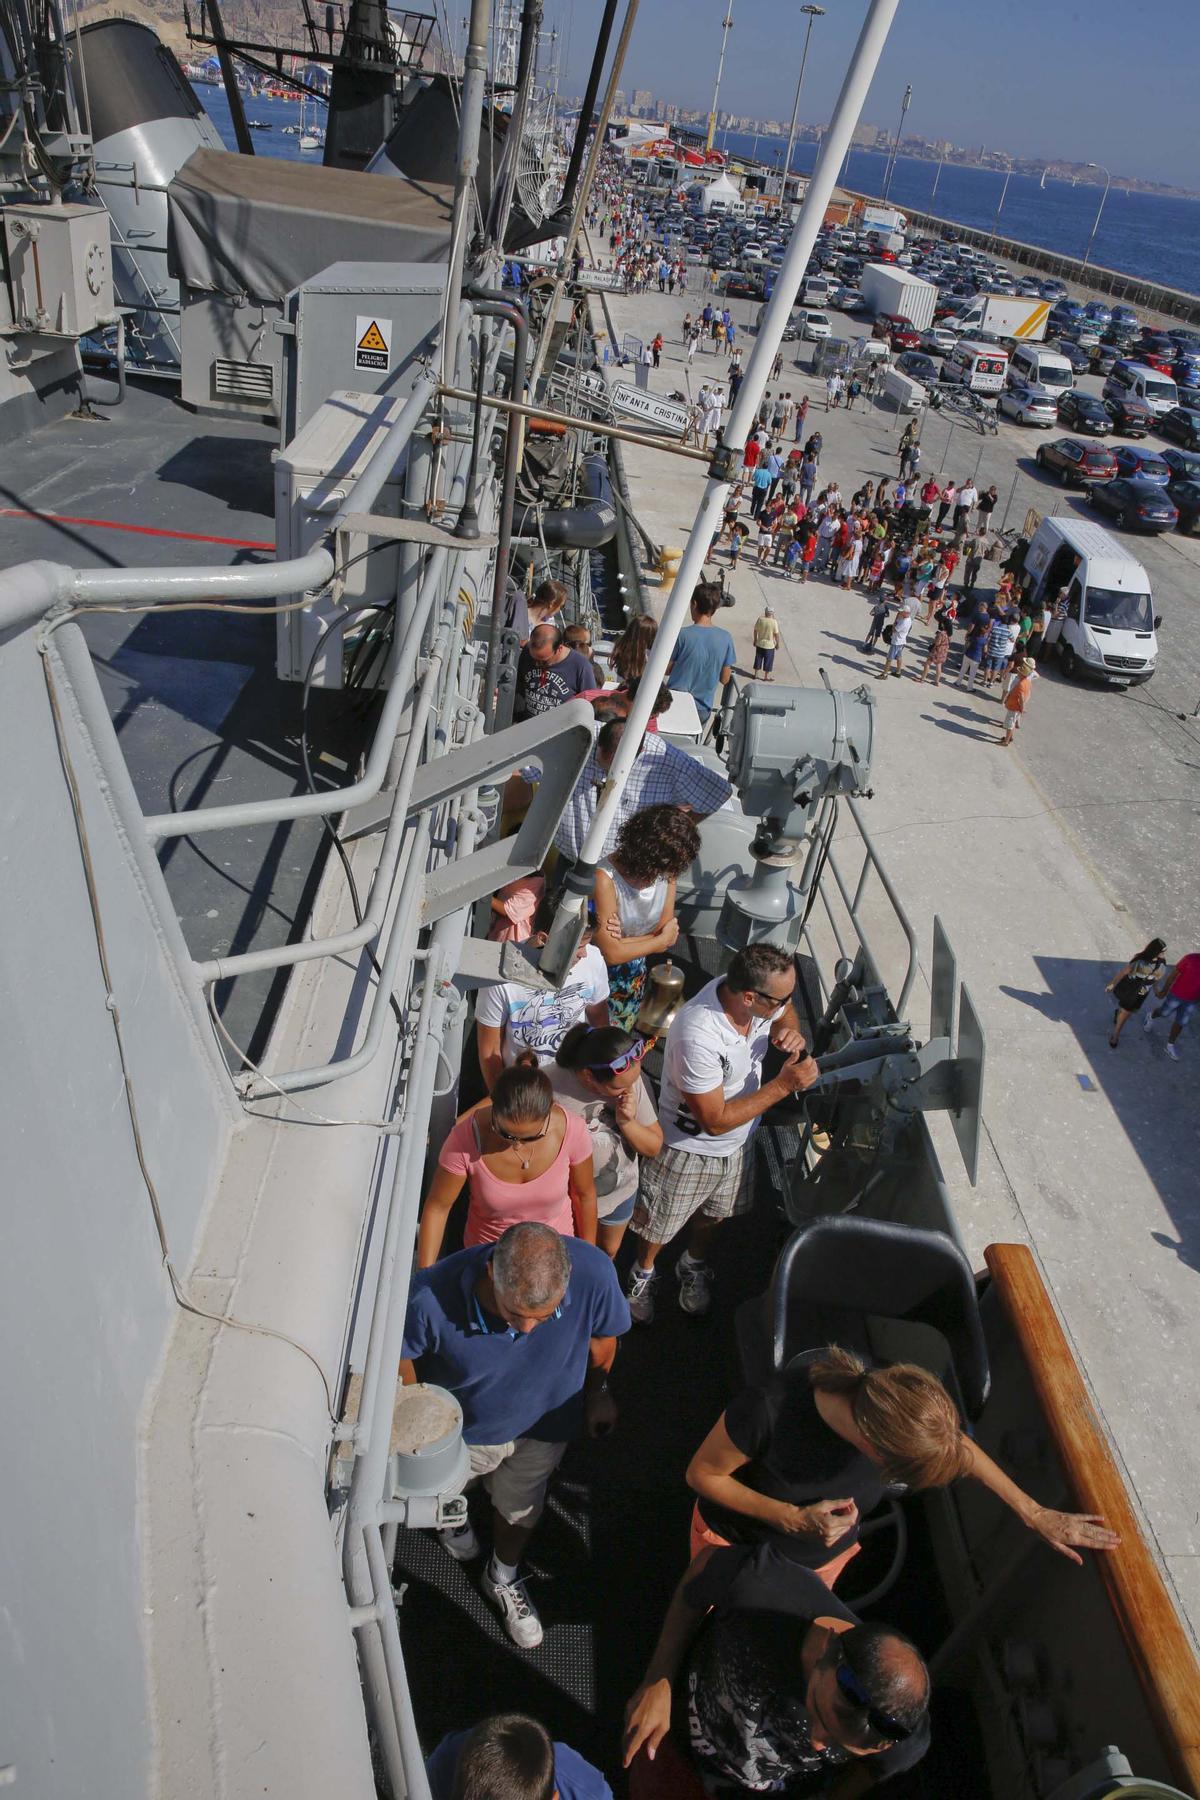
{"x": 1160, "y": 1648}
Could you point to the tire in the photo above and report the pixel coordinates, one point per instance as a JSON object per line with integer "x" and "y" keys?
{"x": 1119, "y": 521}
{"x": 1064, "y": 477}
{"x": 1068, "y": 661}
{"x": 1040, "y": 458}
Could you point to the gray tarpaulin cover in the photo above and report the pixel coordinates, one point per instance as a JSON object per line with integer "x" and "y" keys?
{"x": 256, "y": 226}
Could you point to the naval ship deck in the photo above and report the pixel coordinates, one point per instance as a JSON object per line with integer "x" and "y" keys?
{"x": 198, "y": 708}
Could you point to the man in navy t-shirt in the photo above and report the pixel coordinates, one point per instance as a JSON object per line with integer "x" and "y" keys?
{"x": 512, "y": 1754}
{"x": 548, "y": 673}
{"x": 523, "y": 1333}
{"x": 704, "y": 653}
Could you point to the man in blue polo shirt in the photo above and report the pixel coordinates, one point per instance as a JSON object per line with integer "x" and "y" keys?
{"x": 512, "y": 1755}
{"x": 523, "y": 1333}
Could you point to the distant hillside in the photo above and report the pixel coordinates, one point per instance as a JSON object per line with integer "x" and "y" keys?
{"x": 268, "y": 21}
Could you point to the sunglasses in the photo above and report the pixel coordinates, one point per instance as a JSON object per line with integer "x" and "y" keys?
{"x": 775, "y": 999}
{"x": 513, "y": 1137}
{"x": 883, "y": 1724}
{"x": 620, "y": 1062}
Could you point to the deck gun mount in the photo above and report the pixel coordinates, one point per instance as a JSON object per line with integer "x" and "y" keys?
{"x": 790, "y": 750}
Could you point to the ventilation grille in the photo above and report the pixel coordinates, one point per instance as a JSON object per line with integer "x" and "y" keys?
{"x": 243, "y": 381}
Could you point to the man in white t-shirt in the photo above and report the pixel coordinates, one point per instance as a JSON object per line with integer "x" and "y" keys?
{"x": 510, "y": 1017}
{"x": 711, "y": 1098}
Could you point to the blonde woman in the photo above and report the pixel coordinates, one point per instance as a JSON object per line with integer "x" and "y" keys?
{"x": 800, "y": 1462}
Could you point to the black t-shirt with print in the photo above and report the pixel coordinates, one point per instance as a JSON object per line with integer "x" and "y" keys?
{"x": 739, "y": 1712}
{"x": 541, "y": 687}
{"x": 796, "y": 1457}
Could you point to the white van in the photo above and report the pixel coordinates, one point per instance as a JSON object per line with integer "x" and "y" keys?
{"x": 1134, "y": 381}
{"x": 1109, "y": 625}
{"x": 815, "y": 290}
{"x": 979, "y": 367}
{"x": 1036, "y": 366}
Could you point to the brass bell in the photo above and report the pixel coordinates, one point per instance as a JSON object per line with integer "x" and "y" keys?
{"x": 662, "y": 999}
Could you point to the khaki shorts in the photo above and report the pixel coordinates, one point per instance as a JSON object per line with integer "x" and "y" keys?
{"x": 516, "y": 1476}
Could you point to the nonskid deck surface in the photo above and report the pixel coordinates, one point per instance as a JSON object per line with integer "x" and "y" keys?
{"x": 199, "y": 711}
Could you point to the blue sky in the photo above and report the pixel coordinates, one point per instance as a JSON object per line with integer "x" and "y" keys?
{"x": 1112, "y": 81}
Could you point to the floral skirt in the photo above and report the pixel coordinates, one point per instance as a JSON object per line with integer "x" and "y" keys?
{"x": 626, "y": 985}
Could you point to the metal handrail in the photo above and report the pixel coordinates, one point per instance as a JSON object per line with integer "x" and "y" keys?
{"x": 853, "y": 903}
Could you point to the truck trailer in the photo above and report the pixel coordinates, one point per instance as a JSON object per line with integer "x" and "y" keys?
{"x": 888, "y": 289}
{"x": 1004, "y": 316}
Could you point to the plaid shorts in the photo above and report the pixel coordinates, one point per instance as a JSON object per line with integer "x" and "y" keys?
{"x": 678, "y": 1183}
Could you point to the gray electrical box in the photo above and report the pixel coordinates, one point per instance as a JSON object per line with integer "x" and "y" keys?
{"x": 358, "y": 325}
{"x": 60, "y": 268}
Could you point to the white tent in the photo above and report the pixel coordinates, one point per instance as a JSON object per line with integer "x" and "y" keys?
{"x": 723, "y": 190}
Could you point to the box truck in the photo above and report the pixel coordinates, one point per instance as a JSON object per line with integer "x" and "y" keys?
{"x": 1003, "y": 316}
{"x": 888, "y": 289}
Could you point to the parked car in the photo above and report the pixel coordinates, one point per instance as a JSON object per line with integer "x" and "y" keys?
{"x": 816, "y": 325}
{"x": 743, "y": 287}
{"x": 1142, "y": 465}
{"x": 1054, "y": 289}
{"x": 898, "y": 331}
{"x": 1096, "y": 309}
{"x": 1190, "y": 397}
{"x": 1075, "y": 353}
{"x": 1125, "y": 315}
{"x": 1155, "y": 349}
{"x": 1183, "y": 464}
{"x": 938, "y": 340}
{"x": 1083, "y": 412}
{"x": 919, "y": 367}
{"x": 1028, "y": 405}
{"x": 1076, "y": 463}
{"x": 1185, "y": 371}
{"x": 1132, "y": 418}
{"x": 1185, "y": 498}
{"x": 1187, "y": 341}
{"x": 1135, "y": 505}
{"x": 1064, "y": 312}
{"x": 1182, "y": 426}
{"x": 1102, "y": 358}
{"x": 850, "y": 300}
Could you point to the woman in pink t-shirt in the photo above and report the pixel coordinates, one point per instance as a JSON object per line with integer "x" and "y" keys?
{"x": 521, "y": 1157}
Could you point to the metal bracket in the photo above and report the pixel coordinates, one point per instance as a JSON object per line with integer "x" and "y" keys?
{"x": 483, "y": 964}
{"x": 412, "y": 531}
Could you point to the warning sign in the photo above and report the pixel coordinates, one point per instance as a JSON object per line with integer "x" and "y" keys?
{"x": 372, "y": 343}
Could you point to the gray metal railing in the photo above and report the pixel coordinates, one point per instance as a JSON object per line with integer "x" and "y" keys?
{"x": 850, "y": 933}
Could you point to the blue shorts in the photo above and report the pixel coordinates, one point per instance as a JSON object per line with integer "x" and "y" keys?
{"x": 997, "y": 664}
{"x": 1181, "y": 1010}
{"x": 621, "y": 1214}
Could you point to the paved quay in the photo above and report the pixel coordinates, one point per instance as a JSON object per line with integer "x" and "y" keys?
{"x": 1050, "y": 864}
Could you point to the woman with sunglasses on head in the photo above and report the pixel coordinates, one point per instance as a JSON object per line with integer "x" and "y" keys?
{"x": 598, "y": 1074}
{"x": 798, "y": 1463}
{"x": 635, "y": 900}
{"x": 521, "y": 1157}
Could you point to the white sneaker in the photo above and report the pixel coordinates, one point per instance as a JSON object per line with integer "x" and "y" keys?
{"x": 462, "y": 1544}
{"x": 695, "y": 1285}
{"x": 516, "y": 1609}
{"x": 639, "y": 1291}
{"x": 1172, "y": 1052}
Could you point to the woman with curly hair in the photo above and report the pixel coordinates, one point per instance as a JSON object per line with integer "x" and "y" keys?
{"x": 627, "y": 658}
{"x": 799, "y": 1463}
{"x": 635, "y": 900}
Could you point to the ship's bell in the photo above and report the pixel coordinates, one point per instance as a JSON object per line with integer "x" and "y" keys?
{"x": 661, "y": 1000}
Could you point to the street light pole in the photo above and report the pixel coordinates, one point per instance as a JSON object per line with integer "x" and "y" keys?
{"x": 811, "y": 12}
{"x": 1099, "y": 210}
{"x": 891, "y": 168}
{"x": 726, "y": 28}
